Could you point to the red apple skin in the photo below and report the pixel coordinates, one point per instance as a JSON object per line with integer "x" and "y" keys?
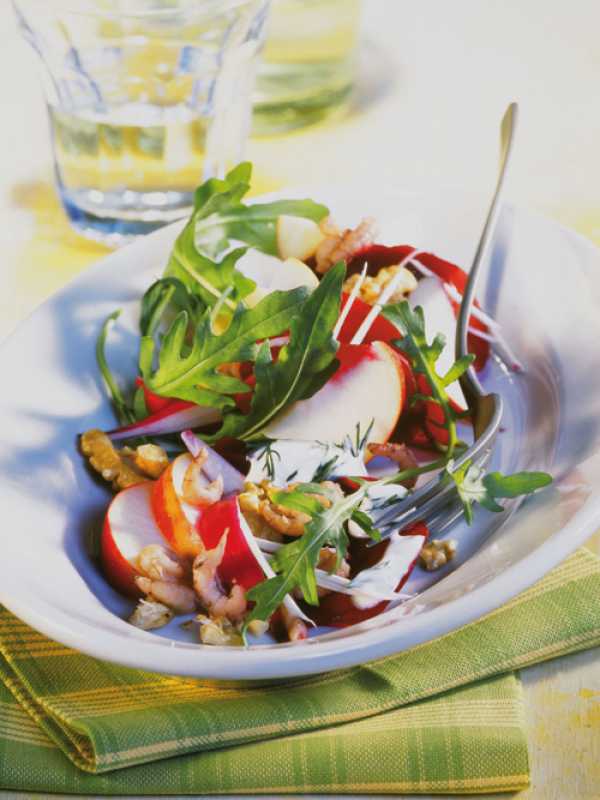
{"x": 239, "y": 564}
{"x": 174, "y": 525}
{"x": 381, "y": 331}
{"x": 117, "y": 568}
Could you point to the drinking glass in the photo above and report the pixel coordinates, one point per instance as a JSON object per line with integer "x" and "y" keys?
{"x": 309, "y": 62}
{"x": 145, "y": 99}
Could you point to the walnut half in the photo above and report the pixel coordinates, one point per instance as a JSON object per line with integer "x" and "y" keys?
{"x": 437, "y": 553}
{"x": 126, "y": 467}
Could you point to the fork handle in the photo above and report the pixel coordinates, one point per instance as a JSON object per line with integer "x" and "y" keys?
{"x": 469, "y": 381}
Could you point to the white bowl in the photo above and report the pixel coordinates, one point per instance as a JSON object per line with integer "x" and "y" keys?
{"x": 542, "y": 285}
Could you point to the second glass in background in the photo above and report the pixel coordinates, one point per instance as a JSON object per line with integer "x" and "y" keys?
{"x": 309, "y": 63}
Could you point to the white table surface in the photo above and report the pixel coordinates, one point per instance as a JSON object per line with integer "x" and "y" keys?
{"x": 436, "y": 78}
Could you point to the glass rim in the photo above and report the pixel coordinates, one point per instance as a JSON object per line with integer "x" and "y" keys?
{"x": 75, "y": 7}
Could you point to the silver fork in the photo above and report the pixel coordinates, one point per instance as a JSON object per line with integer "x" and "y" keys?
{"x": 430, "y": 502}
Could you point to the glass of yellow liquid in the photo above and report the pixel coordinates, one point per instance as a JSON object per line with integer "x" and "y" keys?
{"x": 145, "y": 99}
{"x": 309, "y": 63}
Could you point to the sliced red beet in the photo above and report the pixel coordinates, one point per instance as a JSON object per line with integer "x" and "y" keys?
{"x": 337, "y": 610}
{"x": 380, "y": 331}
{"x": 379, "y": 255}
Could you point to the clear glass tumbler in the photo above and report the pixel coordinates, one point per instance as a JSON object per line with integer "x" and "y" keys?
{"x": 145, "y": 99}
{"x": 309, "y": 63}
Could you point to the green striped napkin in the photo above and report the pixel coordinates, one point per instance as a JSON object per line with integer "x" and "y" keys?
{"x": 368, "y": 729}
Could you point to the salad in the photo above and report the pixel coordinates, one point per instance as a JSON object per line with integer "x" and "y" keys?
{"x": 289, "y": 397}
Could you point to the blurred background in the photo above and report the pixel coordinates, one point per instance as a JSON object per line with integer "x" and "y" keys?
{"x": 374, "y": 93}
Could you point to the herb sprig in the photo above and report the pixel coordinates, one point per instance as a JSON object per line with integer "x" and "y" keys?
{"x": 424, "y": 356}
{"x": 475, "y": 486}
{"x": 124, "y": 412}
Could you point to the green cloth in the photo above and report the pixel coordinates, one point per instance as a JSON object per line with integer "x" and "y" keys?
{"x": 360, "y": 730}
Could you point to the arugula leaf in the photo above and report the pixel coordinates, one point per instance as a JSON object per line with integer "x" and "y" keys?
{"x": 304, "y": 365}
{"x": 188, "y": 371}
{"x": 256, "y": 225}
{"x": 203, "y": 276}
{"x": 296, "y": 562}
{"x": 297, "y": 500}
{"x": 514, "y": 485}
{"x": 221, "y": 216}
{"x": 474, "y": 486}
{"x": 219, "y": 219}
{"x": 167, "y": 295}
{"x": 423, "y": 357}
{"x": 124, "y": 413}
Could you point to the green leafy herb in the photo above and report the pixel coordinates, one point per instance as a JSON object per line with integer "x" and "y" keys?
{"x": 202, "y": 258}
{"x": 474, "y": 486}
{"x": 304, "y": 365}
{"x": 167, "y": 296}
{"x": 357, "y": 447}
{"x": 266, "y": 451}
{"x": 296, "y": 562}
{"x": 221, "y": 216}
{"x": 324, "y": 470}
{"x": 423, "y": 358}
{"x": 188, "y": 371}
{"x": 364, "y": 521}
{"x": 124, "y": 413}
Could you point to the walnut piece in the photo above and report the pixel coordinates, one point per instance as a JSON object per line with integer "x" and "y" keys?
{"x": 149, "y": 614}
{"x": 342, "y": 245}
{"x": 372, "y": 287}
{"x": 126, "y": 467}
{"x": 151, "y": 460}
{"x": 218, "y": 632}
{"x": 268, "y": 519}
{"x": 437, "y": 553}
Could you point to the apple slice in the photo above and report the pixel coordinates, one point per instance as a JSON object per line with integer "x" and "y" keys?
{"x": 129, "y": 526}
{"x": 270, "y": 273}
{"x": 175, "y": 518}
{"x": 175, "y": 416}
{"x": 368, "y": 386}
{"x": 439, "y": 318}
{"x": 297, "y": 237}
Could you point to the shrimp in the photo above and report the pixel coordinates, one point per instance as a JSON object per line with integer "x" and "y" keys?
{"x": 341, "y": 246}
{"x": 198, "y": 490}
{"x": 155, "y": 563}
{"x": 397, "y": 452}
{"x": 179, "y": 598}
{"x": 208, "y": 586}
{"x": 295, "y": 627}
